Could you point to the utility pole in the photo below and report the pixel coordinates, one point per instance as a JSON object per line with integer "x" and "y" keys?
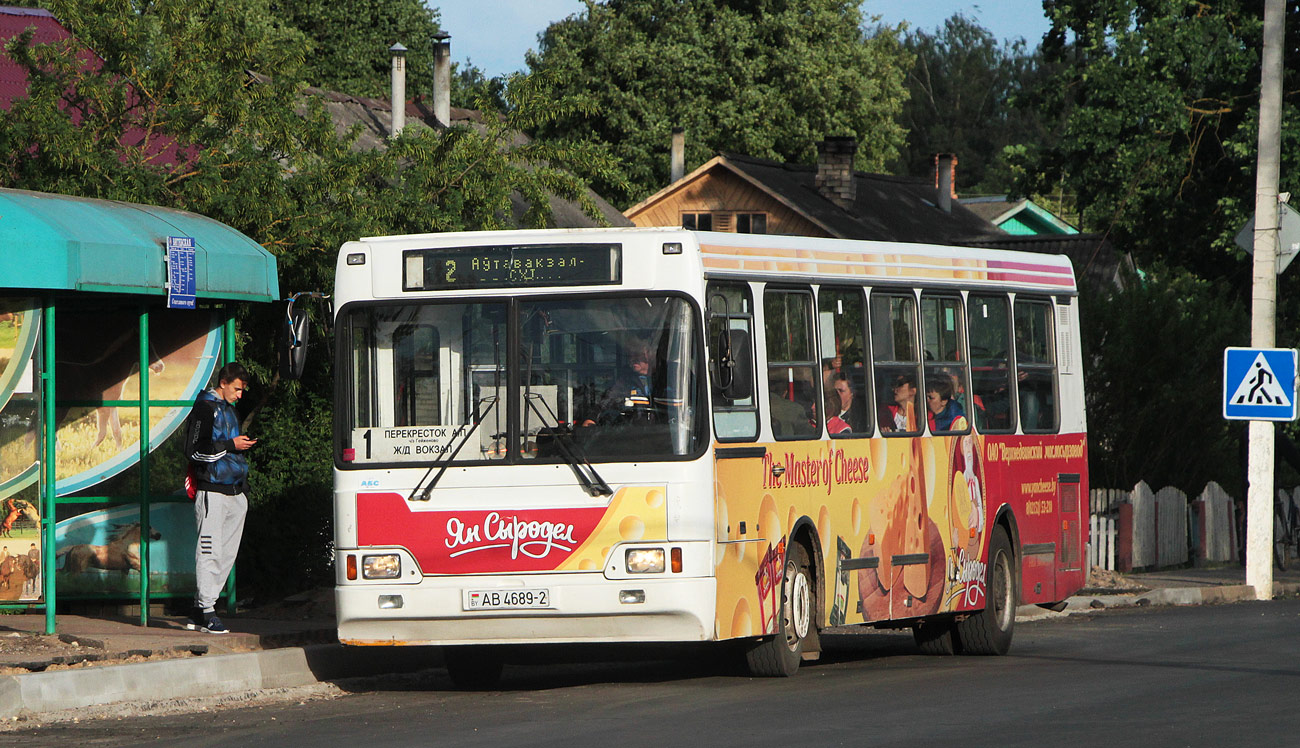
{"x": 1263, "y": 308}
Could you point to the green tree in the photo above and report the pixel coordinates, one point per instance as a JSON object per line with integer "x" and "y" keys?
{"x": 171, "y": 115}
{"x": 962, "y": 88}
{"x": 1157, "y": 103}
{"x": 768, "y": 78}
{"x": 348, "y": 42}
{"x": 1154, "y": 391}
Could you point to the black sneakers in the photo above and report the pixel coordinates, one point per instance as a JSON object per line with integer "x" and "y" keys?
{"x": 208, "y": 623}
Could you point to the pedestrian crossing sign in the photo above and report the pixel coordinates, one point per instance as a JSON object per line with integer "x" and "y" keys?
{"x": 1259, "y": 384}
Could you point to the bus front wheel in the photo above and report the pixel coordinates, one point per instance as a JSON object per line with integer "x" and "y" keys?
{"x": 988, "y": 632}
{"x": 779, "y": 655}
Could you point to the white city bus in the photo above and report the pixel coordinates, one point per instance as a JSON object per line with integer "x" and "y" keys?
{"x": 658, "y": 435}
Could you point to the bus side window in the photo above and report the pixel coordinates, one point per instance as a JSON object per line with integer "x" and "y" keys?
{"x": 842, "y": 321}
{"x": 948, "y": 404}
{"x": 730, "y": 309}
{"x": 896, "y": 364}
{"x": 992, "y": 378}
{"x": 791, "y": 357}
{"x": 1035, "y": 366}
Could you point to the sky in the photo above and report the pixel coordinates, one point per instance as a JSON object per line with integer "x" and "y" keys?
{"x": 494, "y": 34}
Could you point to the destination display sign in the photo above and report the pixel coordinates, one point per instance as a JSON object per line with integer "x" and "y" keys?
{"x": 404, "y": 443}
{"x": 510, "y": 266}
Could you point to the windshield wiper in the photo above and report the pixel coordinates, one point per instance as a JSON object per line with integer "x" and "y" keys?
{"x": 445, "y": 462}
{"x": 570, "y": 451}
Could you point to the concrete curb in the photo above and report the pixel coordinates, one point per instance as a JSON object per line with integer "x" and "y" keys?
{"x": 197, "y": 677}
{"x": 1212, "y": 595}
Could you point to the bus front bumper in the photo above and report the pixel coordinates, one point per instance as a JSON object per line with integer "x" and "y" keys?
{"x": 584, "y": 608}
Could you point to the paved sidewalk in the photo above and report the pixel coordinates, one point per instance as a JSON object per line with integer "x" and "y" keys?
{"x": 288, "y": 650}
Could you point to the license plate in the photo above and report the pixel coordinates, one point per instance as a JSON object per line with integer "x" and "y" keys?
{"x": 515, "y": 599}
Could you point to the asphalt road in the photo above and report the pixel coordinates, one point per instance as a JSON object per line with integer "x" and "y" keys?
{"x": 1198, "y": 676}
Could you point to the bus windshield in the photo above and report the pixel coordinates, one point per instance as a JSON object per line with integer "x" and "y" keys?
{"x": 539, "y": 379}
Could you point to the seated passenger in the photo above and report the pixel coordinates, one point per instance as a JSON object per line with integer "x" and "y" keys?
{"x": 789, "y": 418}
{"x": 853, "y": 410}
{"x": 945, "y": 413}
{"x": 900, "y": 415}
{"x": 835, "y": 424}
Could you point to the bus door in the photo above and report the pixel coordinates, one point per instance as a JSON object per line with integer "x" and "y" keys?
{"x": 739, "y": 463}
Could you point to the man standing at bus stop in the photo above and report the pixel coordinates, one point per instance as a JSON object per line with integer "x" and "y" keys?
{"x": 219, "y": 469}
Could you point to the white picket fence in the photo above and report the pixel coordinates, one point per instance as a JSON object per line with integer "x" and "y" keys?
{"x": 1102, "y": 536}
{"x": 1168, "y": 529}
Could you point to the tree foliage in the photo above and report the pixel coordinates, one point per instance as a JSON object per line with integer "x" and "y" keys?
{"x": 768, "y": 78}
{"x": 962, "y": 90}
{"x": 171, "y": 114}
{"x": 1154, "y": 355}
{"x": 348, "y": 42}
{"x": 1158, "y": 102}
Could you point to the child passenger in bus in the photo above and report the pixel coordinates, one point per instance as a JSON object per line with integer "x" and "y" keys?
{"x": 945, "y": 413}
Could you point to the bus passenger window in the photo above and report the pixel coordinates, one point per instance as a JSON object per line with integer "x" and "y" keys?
{"x": 896, "y": 364}
{"x": 947, "y": 403}
{"x": 990, "y": 360}
{"x": 842, "y": 328}
{"x": 1035, "y": 366}
{"x": 730, "y": 309}
{"x": 791, "y": 353}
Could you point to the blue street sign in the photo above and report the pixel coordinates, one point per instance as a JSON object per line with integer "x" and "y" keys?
{"x": 180, "y": 272}
{"x": 1259, "y": 384}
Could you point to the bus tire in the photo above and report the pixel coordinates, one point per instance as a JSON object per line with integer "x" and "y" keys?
{"x": 936, "y": 636}
{"x": 474, "y": 668}
{"x": 988, "y": 632}
{"x": 779, "y": 656}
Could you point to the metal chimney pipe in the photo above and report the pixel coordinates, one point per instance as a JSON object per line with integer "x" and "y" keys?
{"x": 677, "y": 155}
{"x": 945, "y": 165}
{"x": 442, "y": 78}
{"x": 398, "y": 86}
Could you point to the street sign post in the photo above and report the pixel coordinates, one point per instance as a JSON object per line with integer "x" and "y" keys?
{"x": 1259, "y": 384}
{"x": 1288, "y": 241}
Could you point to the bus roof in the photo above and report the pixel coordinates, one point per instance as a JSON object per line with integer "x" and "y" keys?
{"x": 769, "y": 256}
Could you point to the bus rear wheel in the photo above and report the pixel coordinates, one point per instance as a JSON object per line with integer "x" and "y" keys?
{"x": 779, "y": 656}
{"x": 474, "y": 668}
{"x": 937, "y": 636}
{"x": 988, "y": 632}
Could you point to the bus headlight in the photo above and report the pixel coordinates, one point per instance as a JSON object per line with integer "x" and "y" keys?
{"x": 387, "y": 566}
{"x": 644, "y": 560}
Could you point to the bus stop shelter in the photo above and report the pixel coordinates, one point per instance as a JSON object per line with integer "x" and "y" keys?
{"x": 113, "y": 317}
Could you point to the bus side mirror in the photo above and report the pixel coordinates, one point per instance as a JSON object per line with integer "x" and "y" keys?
{"x": 739, "y": 365}
{"x": 293, "y": 343}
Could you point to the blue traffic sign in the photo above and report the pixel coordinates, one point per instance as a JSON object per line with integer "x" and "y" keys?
{"x": 1259, "y": 384}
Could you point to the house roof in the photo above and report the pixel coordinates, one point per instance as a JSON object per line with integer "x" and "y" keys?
{"x": 1017, "y": 216}
{"x": 14, "y": 21}
{"x": 375, "y": 116}
{"x": 887, "y": 208}
{"x": 62, "y": 243}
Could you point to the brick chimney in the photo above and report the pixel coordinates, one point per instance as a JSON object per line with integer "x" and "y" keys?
{"x": 945, "y": 180}
{"x": 677, "y": 155}
{"x": 835, "y": 170}
{"x": 442, "y": 78}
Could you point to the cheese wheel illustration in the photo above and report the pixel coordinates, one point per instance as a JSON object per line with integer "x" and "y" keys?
{"x": 741, "y": 622}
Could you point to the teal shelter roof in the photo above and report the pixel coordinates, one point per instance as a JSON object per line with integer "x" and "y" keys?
{"x": 61, "y": 243}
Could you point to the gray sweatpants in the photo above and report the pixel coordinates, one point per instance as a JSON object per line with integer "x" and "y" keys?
{"x": 221, "y": 525}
